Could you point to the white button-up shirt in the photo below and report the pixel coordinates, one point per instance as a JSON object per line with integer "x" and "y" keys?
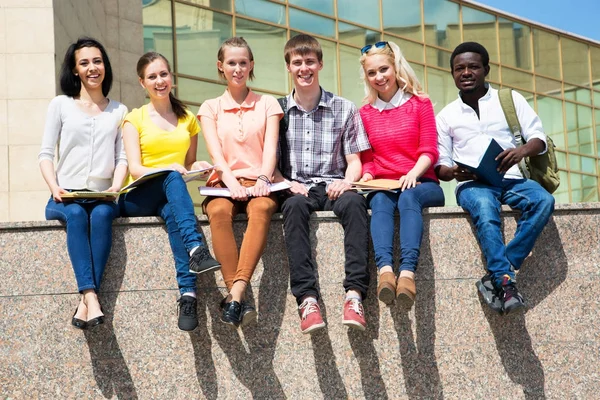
{"x": 464, "y": 137}
{"x": 399, "y": 98}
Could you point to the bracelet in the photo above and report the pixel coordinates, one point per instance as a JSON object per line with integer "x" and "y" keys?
{"x": 265, "y": 179}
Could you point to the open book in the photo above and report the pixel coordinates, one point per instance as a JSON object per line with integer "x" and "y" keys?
{"x": 377, "y": 184}
{"x": 86, "y": 194}
{"x": 224, "y": 192}
{"x": 486, "y": 168}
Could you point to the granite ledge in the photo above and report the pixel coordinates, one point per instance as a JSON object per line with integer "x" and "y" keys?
{"x": 320, "y": 215}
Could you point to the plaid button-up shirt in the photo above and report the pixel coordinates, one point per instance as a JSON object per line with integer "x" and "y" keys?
{"x": 318, "y": 141}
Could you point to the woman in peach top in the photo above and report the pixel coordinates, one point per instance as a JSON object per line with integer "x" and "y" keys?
{"x": 241, "y": 131}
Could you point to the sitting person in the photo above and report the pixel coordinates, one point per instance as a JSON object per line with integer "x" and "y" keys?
{"x": 85, "y": 125}
{"x": 241, "y": 130}
{"x": 164, "y": 135}
{"x": 400, "y": 124}
{"x": 477, "y": 113}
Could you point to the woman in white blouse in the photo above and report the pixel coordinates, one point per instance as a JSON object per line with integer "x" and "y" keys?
{"x": 83, "y": 126}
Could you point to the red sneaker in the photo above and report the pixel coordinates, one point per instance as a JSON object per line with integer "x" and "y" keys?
{"x": 310, "y": 317}
{"x": 354, "y": 314}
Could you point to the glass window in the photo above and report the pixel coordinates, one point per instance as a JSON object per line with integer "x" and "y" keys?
{"x": 596, "y": 99}
{"x": 199, "y": 35}
{"x": 441, "y": 23}
{"x": 562, "y": 193}
{"x": 261, "y": 9}
{"x": 356, "y": 35}
{"x": 548, "y": 86}
{"x": 364, "y": 12}
{"x": 412, "y": 51}
{"x": 579, "y": 128}
{"x": 583, "y": 164}
{"x": 512, "y": 77}
{"x": 224, "y": 5}
{"x": 351, "y": 82}
{"x": 267, "y": 44}
{"x": 515, "y": 48}
{"x": 420, "y": 72}
{"x": 550, "y": 112}
{"x": 191, "y": 90}
{"x": 575, "y": 62}
{"x": 578, "y": 94}
{"x": 545, "y": 53}
{"x": 437, "y": 57}
{"x": 308, "y": 22}
{"x": 322, "y": 6}
{"x": 158, "y": 28}
{"x": 480, "y": 26}
{"x": 494, "y": 75}
{"x": 561, "y": 159}
{"x": 597, "y": 115}
{"x": 402, "y": 17}
{"x": 441, "y": 88}
{"x": 584, "y": 188}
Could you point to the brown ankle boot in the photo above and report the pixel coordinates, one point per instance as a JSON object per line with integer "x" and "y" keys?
{"x": 406, "y": 291}
{"x": 386, "y": 289}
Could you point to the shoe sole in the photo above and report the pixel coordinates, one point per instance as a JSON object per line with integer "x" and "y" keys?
{"x": 486, "y": 295}
{"x": 354, "y": 325}
{"x": 314, "y": 328}
{"x": 387, "y": 296}
{"x": 187, "y": 330}
{"x": 517, "y": 309}
{"x": 230, "y": 323}
{"x": 405, "y": 300}
{"x": 249, "y": 318}
{"x": 206, "y": 269}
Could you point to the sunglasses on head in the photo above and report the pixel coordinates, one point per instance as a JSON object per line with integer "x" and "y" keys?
{"x": 378, "y": 45}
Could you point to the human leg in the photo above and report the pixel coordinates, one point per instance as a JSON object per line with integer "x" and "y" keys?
{"x": 220, "y": 212}
{"x": 102, "y": 215}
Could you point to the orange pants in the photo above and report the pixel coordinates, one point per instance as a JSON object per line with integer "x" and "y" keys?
{"x": 220, "y": 211}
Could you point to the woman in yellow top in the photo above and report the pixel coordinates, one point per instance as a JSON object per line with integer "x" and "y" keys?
{"x": 164, "y": 135}
{"x": 241, "y": 129}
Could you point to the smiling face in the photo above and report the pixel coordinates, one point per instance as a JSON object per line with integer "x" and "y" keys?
{"x": 89, "y": 67}
{"x": 469, "y": 73}
{"x": 157, "y": 79}
{"x": 381, "y": 75}
{"x": 305, "y": 70}
{"x": 236, "y": 65}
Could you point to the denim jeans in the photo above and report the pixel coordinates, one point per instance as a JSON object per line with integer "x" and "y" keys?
{"x": 167, "y": 196}
{"x": 89, "y": 237}
{"x": 351, "y": 208}
{"x": 410, "y": 204}
{"x": 483, "y": 202}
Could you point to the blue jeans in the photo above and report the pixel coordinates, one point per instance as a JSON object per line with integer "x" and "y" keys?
{"x": 483, "y": 202}
{"x": 410, "y": 204}
{"x": 167, "y": 196}
{"x": 89, "y": 237}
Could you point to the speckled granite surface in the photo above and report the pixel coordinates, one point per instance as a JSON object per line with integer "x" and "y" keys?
{"x": 448, "y": 346}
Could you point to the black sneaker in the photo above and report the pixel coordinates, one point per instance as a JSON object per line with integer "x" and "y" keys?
{"x": 232, "y": 313}
{"x": 511, "y": 298}
{"x": 248, "y": 314}
{"x": 201, "y": 261}
{"x": 489, "y": 293}
{"x": 188, "y": 320}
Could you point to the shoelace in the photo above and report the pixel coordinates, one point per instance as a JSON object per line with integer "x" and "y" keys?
{"x": 308, "y": 308}
{"x": 187, "y": 307}
{"x": 510, "y": 291}
{"x": 356, "y": 306}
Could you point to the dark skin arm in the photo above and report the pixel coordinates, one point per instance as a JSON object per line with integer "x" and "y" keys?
{"x": 510, "y": 157}
{"x": 448, "y": 173}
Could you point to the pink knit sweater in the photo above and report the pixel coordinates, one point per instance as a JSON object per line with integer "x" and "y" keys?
{"x": 398, "y": 138}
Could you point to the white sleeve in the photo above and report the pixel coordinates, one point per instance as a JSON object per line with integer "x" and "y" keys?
{"x": 52, "y": 130}
{"x": 531, "y": 125}
{"x": 444, "y": 142}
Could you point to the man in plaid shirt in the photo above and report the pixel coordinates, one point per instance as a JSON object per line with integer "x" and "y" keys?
{"x": 320, "y": 142}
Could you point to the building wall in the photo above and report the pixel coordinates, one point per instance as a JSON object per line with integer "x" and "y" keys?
{"x": 34, "y": 35}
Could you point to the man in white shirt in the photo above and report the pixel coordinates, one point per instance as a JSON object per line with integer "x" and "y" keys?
{"x": 465, "y": 128}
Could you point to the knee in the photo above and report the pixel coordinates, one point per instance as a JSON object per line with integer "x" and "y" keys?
{"x": 219, "y": 209}
{"x": 104, "y": 211}
{"x": 350, "y": 201}
{"x": 75, "y": 212}
{"x": 295, "y": 205}
{"x": 546, "y": 203}
{"x": 261, "y": 206}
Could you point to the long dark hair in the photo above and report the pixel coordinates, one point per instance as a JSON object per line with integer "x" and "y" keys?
{"x": 178, "y": 107}
{"x": 70, "y": 84}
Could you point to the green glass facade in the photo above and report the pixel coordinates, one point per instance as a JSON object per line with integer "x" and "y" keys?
{"x": 558, "y": 73}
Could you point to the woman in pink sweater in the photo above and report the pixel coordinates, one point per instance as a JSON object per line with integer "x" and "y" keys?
{"x": 399, "y": 120}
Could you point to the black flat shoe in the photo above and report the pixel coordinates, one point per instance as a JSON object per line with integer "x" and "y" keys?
{"x": 231, "y": 313}
{"x": 78, "y": 323}
{"x": 248, "y": 314}
{"x": 96, "y": 321}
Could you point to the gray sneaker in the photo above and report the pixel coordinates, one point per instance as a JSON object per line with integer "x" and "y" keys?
{"x": 201, "y": 261}
{"x": 489, "y": 293}
{"x": 511, "y": 298}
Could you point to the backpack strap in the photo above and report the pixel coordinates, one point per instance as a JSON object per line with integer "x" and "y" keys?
{"x": 283, "y": 150}
{"x": 510, "y": 113}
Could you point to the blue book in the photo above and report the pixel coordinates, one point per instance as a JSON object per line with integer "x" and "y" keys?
{"x": 487, "y": 170}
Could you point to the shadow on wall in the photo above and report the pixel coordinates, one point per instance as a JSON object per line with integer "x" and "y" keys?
{"x": 108, "y": 364}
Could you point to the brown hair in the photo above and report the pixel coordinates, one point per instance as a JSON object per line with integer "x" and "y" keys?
{"x": 302, "y": 45}
{"x": 178, "y": 107}
{"x": 236, "y": 41}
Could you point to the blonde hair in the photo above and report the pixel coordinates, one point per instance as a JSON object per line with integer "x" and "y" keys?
{"x": 405, "y": 76}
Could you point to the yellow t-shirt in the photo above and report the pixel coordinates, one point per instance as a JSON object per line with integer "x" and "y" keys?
{"x": 160, "y": 148}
